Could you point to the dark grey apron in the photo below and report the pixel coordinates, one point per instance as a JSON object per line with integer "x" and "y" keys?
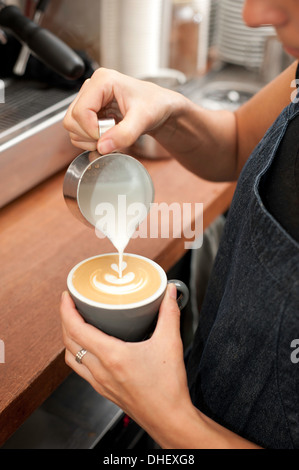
{"x": 240, "y": 370}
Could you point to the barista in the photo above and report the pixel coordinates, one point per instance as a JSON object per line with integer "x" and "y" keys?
{"x": 241, "y": 388}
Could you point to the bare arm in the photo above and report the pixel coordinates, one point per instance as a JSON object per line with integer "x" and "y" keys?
{"x": 216, "y": 144}
{"x": 212, "y": 144}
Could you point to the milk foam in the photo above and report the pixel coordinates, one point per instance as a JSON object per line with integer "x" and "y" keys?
{"x": 118, "y": 285}
{"x": 98, "y": 279}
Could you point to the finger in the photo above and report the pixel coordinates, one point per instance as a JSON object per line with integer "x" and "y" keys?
{"x": 70, "y": 122}
{"x": 82, "y": 370}
{"x": 122, "y": 135}
{"x": 70, "y": 345}
{"x": 97, "y": 381}
{"x": 83, "y": 145}
{"x": 89, "y": 360}
{"x": 74, "y": 129}
{"x": 73, "y": 103}
{"x": 94, "y": 340}
{"x": 90, "y": 367}
{"x": 111, "y": 111}
{"x": 80, "y": 140}
{"x": 97, "y": 94}
{"x": 83, "y": 87}
{"x": 169, "y": 313}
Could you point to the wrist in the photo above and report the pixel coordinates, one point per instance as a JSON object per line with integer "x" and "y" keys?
{"x": 186, "y": 427}
{"x": 177, "y": 428}
{"x": 174, "y": 109}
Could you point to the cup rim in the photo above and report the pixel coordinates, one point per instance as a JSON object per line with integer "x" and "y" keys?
{"x": 132, "y": 305}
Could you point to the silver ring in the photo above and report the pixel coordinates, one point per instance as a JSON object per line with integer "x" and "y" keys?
{"x": 80, "y": 354}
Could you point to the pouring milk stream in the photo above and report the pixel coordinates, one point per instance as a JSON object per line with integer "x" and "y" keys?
{"x": 114, "y": 195}
{"x": 120, "y": 213}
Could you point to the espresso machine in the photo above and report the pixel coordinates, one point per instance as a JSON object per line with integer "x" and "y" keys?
{"x": 41, "y": 42}
{"x": 40, "y": 76}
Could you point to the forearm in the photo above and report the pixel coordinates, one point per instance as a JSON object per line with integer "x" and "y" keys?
{"x": 188, "y": 428}
{"x": 212, "y": 144}
{"x": 216, "y": 144}
{"x": 203, "y": 141}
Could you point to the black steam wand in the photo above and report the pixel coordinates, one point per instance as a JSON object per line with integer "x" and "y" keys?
{"x": 22, "y": 60}
{"x": 46, "y": 46}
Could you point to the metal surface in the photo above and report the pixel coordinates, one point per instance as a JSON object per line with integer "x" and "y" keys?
{"x": 50, "y": 50}
{"x": 105, "y": 125}
{"x": 90, "y": 169}
{"x": 21, "y": 64}
{"x": 72, "y": 181}
{"x": 227, "y": 95}
{"x": 220, "y": 81}
{"x": 85, "y": 172}
{"x": 75, "y": 416}
{"x": 27, "y": 104}
{"x": 33, "y": 143}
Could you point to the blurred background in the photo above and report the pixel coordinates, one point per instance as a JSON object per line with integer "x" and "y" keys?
{"x": 139, "y": 36}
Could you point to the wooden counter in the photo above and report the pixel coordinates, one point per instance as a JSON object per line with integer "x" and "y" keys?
{"x": 40, "y": 241}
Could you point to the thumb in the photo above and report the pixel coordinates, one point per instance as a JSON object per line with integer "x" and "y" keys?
{"x": 169, "y": 314}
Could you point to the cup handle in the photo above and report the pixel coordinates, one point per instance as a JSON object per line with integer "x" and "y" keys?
{"x": 183, "y": 298}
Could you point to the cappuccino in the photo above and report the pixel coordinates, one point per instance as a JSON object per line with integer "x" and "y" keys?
{"x": 101, "y": 279}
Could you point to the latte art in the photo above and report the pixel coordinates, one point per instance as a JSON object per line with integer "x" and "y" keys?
{"x": 112, "y": 284}
{"x": 99, "y": 279}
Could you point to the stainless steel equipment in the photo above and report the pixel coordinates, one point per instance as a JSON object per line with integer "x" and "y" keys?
{"x": 49, "y": 48}
{"x": 33, "y": 143}
{"x": 21, "y": 64}
{"x": 92, "y": 174}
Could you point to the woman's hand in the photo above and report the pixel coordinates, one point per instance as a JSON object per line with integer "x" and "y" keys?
{"x": 146, "y": 379}
{"x": 137, "y": 106}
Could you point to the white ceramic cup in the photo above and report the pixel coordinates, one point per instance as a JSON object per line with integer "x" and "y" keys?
{"x": 130, "y": 322}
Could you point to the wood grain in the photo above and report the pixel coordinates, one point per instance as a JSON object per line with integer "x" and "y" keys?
{"x": 40, "y": 241}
